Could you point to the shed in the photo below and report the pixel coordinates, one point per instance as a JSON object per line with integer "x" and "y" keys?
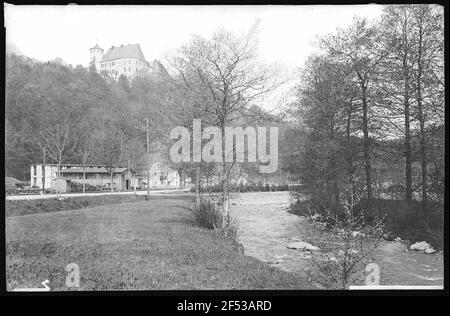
{"x": 61, "y": 185}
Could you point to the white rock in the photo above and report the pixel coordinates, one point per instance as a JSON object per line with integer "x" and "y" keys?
{"x": 397, "y": 239}
{"x": 302, "y": 245}
{"x": 355, "y": 233}
{"x": 430, "y": 251}
{"x": 420, "y": 246}
{"x": 280, "y": 256}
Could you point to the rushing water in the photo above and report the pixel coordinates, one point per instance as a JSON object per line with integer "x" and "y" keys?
{"x": 266, "y": 228}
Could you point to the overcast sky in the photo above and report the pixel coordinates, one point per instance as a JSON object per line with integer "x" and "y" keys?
{"x": 286, "y": 33}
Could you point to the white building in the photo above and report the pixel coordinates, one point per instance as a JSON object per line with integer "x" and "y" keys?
{"x": 123, "y": 178}
{"x": 126, "y": 60}
{"x": 162, "y": 176}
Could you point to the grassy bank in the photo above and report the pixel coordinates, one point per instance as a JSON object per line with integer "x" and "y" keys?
{"x": 134, "y": 246}
{"x": 26, "y": 207}
{"x": 404, "y": 219}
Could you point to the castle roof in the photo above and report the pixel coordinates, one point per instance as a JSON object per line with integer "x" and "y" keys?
{"x": 124, "y": 51}
{"x": 96, "y": 47}
{"x": 157, "y": 67}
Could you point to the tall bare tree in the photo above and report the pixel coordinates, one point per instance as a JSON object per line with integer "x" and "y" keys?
{"x": 226, "y": 79}
{"x": 58, "y": 143}
{"x": 359, "y": 47}
{"x": 428, "y": 77}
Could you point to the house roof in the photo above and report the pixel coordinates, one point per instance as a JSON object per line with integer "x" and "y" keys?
{"x": 10, "y": 181}
{"x": 123, "y": 51}
{"x": 92, "y": 170}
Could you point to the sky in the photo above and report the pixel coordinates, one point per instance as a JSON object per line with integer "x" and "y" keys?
{"x": 286, "y": 33}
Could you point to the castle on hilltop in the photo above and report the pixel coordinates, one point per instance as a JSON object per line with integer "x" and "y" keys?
{"x": 126, "y": 60}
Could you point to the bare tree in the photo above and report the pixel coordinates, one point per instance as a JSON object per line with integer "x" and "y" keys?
{"x": 428, "y": 77}
{"x": 397, "y": 25}
{"x": 225, "y": 78}
{"x": 360, "y": 48}
{"x": 56, "y": 139}
{"x": 109, "y": 150}
{"x": 87, "y": 147}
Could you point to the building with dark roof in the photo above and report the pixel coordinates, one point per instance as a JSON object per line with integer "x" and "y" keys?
{"x": 126, "y": 60}
{"x": 95, "y": 175}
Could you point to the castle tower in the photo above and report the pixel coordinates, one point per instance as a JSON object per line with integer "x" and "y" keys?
{"x": 96, "y": 55}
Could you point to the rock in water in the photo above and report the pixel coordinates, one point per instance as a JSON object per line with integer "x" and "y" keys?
{"x": 388, "y": 237}
{"x": 317, "y": 217}
{"x": 420, "y": 246}
{"x": 302, "y": 245}
{"x": 430, "y": 251}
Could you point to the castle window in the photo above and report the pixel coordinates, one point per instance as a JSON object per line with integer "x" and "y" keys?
{"x": 129, "y": 69}
{"x": 124, "y": 69}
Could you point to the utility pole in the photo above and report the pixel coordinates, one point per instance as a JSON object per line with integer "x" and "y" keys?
{"x": 148, "y": 163}
{"x": 43, "y": 174}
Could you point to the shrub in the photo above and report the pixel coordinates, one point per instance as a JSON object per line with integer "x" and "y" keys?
{"x": 352, "y": 247}
{"x": 407, "y": 219}
{"x": 209, "y": 215}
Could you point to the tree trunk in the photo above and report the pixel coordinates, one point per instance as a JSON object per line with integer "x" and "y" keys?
{"x": 59, "y": 172}
{"x": 112, "y": 181}
{"x": 421, "y": 116}
{"x": 366, "y": 142}
{"x": 408, "y": 162}
{"x": 57, "y": 177}
{"x": 84, "y": 178}
{"x": 349, "y": 159}
{"x": 224, "y": 178}
{"x": 197, "y": 185}
{"x": 423, "y": 150}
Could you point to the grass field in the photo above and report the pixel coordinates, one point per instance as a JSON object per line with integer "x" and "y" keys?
{"x": 142, "y": 245}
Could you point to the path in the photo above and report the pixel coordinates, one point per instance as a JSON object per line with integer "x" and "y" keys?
{"x": 67, "y": 195}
